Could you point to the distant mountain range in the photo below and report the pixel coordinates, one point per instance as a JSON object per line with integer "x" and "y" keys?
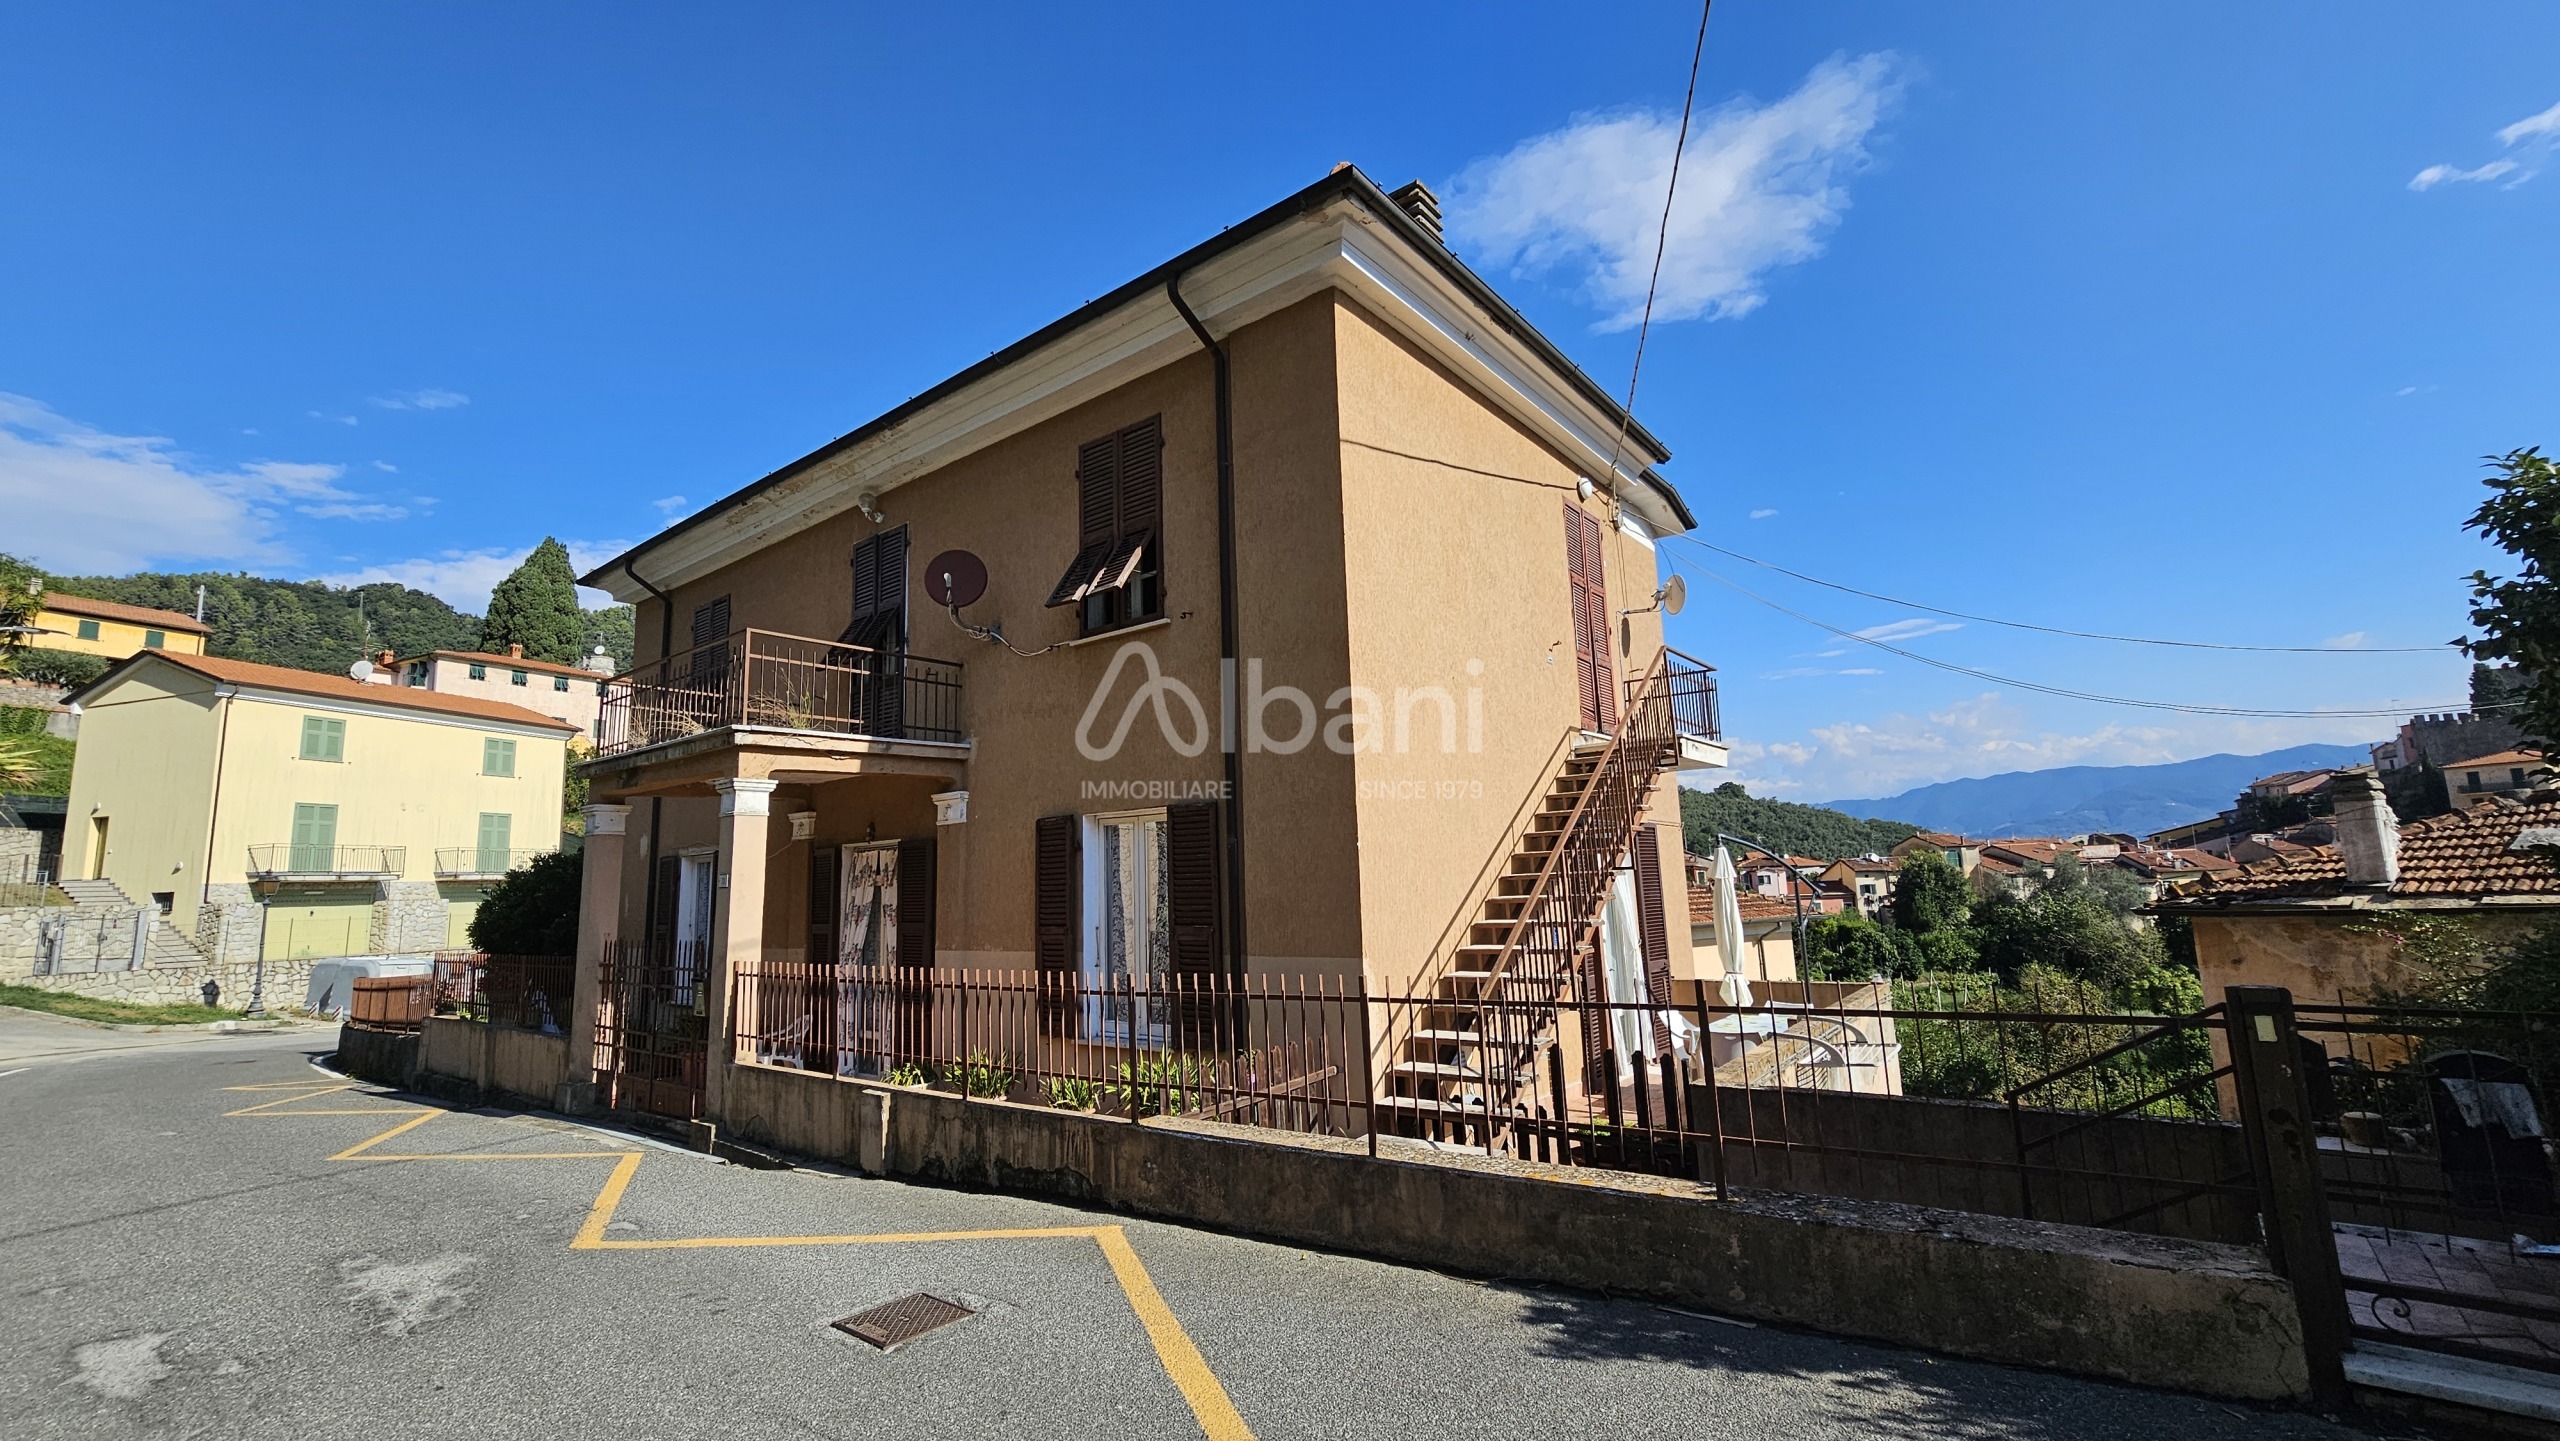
{"x": 2073, "y": 800}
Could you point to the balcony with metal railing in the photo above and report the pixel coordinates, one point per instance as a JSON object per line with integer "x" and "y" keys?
{"x": 289, "y": 861}
{"x": 482, "y": 863}
{"x": 768, "y": 680}
{"x": 1695, "y": 718}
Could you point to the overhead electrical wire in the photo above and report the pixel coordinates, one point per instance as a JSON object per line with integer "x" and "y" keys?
{"x": 2063, "y": 691}
{"x": 2059, "y": 630}
{"x": 1661, "y": 242}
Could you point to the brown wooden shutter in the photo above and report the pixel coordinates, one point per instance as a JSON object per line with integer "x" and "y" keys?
{"x": 1584, "y": 570}
{"x": 710, "y": 627}
{"x": 1056, "y": 888}
{"x": 1595, "y": 1014}
{"x": 917, "y": 902}
{"x": 824, "y": 1011}
{"x": 1193, "y": 892}
{"x": 662, "y": 907}
{"x": 1653, "y": 932}
{"x": 1141, "y": 480}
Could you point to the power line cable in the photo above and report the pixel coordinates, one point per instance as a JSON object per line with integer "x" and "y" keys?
{"x": 1661, "y": 242}
{"x": 2059, "y": 630}
{"x": 2064, "y": 691}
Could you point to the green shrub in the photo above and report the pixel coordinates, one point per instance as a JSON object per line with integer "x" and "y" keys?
{"x": 1072, "y": 1093}
{"x": 981, "y": 1075}
{"x": 905, "y": 1073}
{"x": 532, "y": 910}
{"x": 1162, "y": 1085}
{"x": 57, "y": 667}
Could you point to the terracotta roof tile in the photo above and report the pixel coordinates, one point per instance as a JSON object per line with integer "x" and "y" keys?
{"x": 1755, "y": 906}
{"x": 142, "y": 615}
{"x": 2448, "y": 856}
{"x": 338, "y": 687}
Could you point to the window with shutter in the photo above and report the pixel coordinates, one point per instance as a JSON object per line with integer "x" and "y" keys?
{"x": 1056, "y": 890}
{"x": 315, "y": 838}
{"x": 497, "y": 833}
{"x": 1117, "y": 576}
{"x": 497, "y": 757}
{"x": 1594, "y": 674}
{"x": 663, "y": 901}
{"x": 324, "y": 738}
{"x": 1192, "y": 834}
{"x": 880, "y": 626}
{"x": 1653, "y": 932}
{"x": 913, "y": 1020}
{"x": 710, "y": 628}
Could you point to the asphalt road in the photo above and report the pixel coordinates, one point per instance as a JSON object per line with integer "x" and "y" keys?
{"x": 170, "y": 1271}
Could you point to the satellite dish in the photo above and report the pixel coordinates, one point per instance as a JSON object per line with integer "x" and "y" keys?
{"x": 955, "y": 578}
{"x": 1675, "y": 594}
{"x": 361, "y": 671}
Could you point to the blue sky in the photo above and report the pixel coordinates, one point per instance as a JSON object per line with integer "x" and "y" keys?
{"x": 2177, "y": 320}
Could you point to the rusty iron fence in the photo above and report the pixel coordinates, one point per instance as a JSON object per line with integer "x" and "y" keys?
{"x": 767, "y": 678}
{"x": 1995, "y": 1101}
{"x": 526, "y": 993}
{"x": 652, "y": 1027}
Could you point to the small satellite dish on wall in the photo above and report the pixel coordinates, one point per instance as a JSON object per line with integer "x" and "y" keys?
{"x": 1675, "y": 594}
{"x": 361, "y": 671}
{"x": 955, "y": 578}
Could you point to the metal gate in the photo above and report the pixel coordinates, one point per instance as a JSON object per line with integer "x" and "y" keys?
{"x": 652, "y": 1021}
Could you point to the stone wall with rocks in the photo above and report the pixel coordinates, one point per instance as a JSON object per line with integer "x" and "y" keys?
{"x": 408, "y": 917}
{"x": 231, "y": 926}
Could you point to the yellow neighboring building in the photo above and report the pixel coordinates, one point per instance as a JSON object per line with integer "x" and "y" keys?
{"x": 295, "y": 815}
{"x": 113, "y": 629}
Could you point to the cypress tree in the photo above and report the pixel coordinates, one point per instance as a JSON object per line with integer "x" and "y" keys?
{"x": 537, "y": 607}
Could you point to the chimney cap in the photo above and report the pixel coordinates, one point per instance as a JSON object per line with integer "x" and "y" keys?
{"x": 516, "y": 650}
{"x": 1416, "y": 200}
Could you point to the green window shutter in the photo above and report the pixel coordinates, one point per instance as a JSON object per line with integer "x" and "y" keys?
{"x": 497, "y": 757}
{"x": 515, "y": 677}
{"x": 479, "y": 671}
{"x": 154, "y": 639}
{"x": 496, "y": 833}
{"x": 323, "y": 739}
{"x": 88, "y": 630}
{"x": 315, "y": 838}
{"x": 559, "y": 682}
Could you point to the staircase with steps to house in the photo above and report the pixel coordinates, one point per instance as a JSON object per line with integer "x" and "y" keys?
{"x": 1469, "y": 1051}
{"x": 99, "y": 902}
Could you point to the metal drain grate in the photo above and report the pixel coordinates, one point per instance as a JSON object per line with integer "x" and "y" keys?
{"x": 892, "y": 1324}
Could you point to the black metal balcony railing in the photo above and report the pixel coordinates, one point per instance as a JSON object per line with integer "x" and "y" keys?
{"x": 458, "y": 861}
{"x": 288, "y": 860}
{"x": 1689, "y": 688}
{"x": 766, "y": 678}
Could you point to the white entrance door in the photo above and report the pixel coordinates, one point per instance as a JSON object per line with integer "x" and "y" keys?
{"x": 696, "y": 877}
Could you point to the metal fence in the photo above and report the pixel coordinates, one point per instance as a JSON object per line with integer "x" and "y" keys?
{"x": 766, "y": 678}
{"x": 28, "y": 881}
{"x": 2435, "y": 1130}
{"x": 78, "y": 941}
{"x": 652, "y": 1027}
{"x": 527, "y": 993}
{"x": 1978, "y": 1098}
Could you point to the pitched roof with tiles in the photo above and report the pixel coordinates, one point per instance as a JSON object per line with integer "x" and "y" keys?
{"x": 141, "y": 615}
{"x": 2463, "y": 856}
{"x": 2502, "y": 758}
{"x": 335, "y": 687}
{"x": 513, "y": 662}
{"x": 1755, "y": 906}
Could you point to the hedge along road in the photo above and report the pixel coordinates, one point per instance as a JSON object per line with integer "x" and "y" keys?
{"x": 301, "y": 1254}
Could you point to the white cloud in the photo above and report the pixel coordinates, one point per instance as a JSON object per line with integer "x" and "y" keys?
{"x": 2435, "y": 175}
{"x": 2533, "y": 127}
{"x": 1908, "y": 628}
{"x": 464, "y": 578}
{"x": 80, "y": 499}
{"x": 2532, "y": 138}
{"x": 386, "y": 467}
{"x": 1760, "y": 187}
{"x": 670, "y": 509}
{"x": 422, "y": 400}
{"x": 1762, "y": 514}
{"x": 2350, "y": 641}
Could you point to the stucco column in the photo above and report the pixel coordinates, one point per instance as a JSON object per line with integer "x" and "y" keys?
{"x": 599, "y": 921}
{"x": 746, "y": 814}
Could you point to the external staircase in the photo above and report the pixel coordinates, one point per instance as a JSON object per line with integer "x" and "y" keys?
{"x": 100, "y": 925}
{"x": 1461, "y": 1061}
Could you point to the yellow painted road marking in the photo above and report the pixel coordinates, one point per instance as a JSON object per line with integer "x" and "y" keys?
{"x": 1182, "y": 1361}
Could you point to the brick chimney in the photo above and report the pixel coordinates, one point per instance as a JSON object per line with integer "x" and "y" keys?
{"x": 1415, "y": 199}
{"x": 515, "y": 652}
{"x": 2368, "y": 833}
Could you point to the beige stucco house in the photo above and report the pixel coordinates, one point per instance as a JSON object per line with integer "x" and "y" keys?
{"x": 572, "y": 693}
{"x": 294, "y": 815}
{"x": 1297, "y": 589}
